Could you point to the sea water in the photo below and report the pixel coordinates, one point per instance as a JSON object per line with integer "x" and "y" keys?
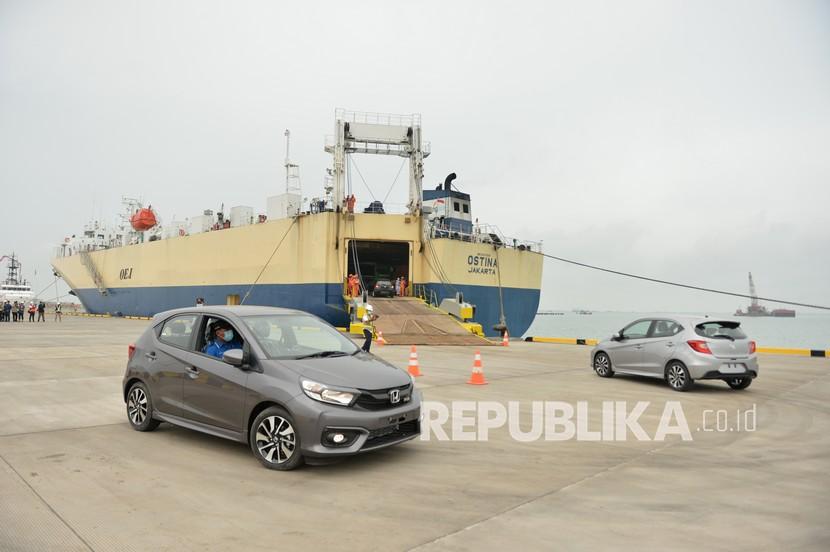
{"x": 807, "y": 330}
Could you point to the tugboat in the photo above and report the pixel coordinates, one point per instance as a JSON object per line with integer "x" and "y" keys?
{"x": 756, "y": 309}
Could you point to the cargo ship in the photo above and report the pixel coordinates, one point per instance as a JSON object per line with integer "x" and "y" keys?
{"x": 757, "y": 309}
{"x": 302, "y": 254}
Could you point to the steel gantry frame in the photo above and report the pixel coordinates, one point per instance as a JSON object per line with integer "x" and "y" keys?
{"x": 378, "y": 134}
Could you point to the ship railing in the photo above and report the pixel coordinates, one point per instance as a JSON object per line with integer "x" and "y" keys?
{"x": 481, "y": 233}
{"x": 372, "y": 118}
{"x": 428, "y": 295}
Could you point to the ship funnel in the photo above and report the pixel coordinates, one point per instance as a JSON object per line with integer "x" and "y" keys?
{"x": 448, "y": 181}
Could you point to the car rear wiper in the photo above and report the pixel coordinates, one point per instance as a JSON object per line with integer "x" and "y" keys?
{"x": 322, "y": 354}
{"x": 722, "y": 336}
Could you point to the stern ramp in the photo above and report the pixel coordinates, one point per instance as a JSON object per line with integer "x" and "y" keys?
{"x": 410, "y": 321}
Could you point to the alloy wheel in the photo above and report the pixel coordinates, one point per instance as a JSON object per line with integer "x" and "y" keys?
{"x": 275, "y": 439}
{"x": 677, "y": 376}
{"x": 137, "y": 406}
{"x": 601, "y": 364}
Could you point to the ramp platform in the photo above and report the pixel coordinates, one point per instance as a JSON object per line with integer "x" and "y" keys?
{"x": 410, "y": 321}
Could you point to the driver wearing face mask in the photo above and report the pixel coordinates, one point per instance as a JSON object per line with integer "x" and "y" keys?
{"x": 223, "y": 340}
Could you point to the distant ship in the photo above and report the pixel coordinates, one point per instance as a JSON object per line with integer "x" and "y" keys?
{"x": 756, "y": 309}
{"x": 299, "y": 254}
{"x": 14, "y": 287}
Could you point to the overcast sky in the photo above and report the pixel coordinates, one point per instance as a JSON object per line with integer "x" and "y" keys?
{"x": 687, "y": 141}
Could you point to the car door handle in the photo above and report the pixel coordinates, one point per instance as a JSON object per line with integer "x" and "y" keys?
{"x": 638, "y": 346}
{"x": 669, "y": 344}
{"x": 193, "y": 371}
{"x": 150, "y": 356}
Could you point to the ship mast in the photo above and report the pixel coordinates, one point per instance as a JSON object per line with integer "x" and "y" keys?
{"x": 14, "y": 270}
{"x": 752, "y": 293}
{"x": 292, "y": 170}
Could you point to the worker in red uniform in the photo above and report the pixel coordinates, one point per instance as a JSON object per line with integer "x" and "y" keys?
{"x": 403, "y": 286}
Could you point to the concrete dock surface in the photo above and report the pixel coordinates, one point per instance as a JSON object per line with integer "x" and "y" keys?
{"x": 75, "y": 476}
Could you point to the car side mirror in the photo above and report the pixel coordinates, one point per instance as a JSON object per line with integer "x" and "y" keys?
{"x": 234, "y": 357}
{"x": 617, "y": 337}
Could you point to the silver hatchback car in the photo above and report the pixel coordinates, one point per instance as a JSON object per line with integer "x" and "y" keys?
{"x": 679, "y": 349}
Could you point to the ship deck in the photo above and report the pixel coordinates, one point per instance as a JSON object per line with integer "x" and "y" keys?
{"x": 74, "y": 476}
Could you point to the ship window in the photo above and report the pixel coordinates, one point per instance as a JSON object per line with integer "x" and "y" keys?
{"x": 178, "y": 330}
{"x": 456, "y": 206}
{"x": 466, "y": 208}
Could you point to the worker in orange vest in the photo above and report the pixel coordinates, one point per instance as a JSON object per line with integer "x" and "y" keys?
{"x": 355, "y": 286}
{"x": 403, "y": 286}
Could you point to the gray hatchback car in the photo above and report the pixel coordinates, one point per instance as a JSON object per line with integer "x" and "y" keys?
{"x": 679, "y": 349}
{"x": 283, "y": 381}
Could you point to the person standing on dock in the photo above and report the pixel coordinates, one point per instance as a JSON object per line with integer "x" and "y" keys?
{"x": 14, "y": 311}
{"x": 32, "y": 311}
{"x": 41, "y": 312}
{"x": 398, "y": 285}
{"x": 7, "y": 309}
{"x": 369, "y": 318}
{"x": 58, "y": 313}
{"x": 21, "y": 308}
{"x": 403, "y": 286}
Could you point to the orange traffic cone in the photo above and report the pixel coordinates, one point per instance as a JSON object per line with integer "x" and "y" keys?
{"x": 414, "y": 369}
{"x": 381, "y": 341}
{"x": 477, "y": 377}
{"x": 505, "y": 339}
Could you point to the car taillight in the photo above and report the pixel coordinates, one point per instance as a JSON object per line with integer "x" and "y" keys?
{"x": 700, "y": 346}
{"x": 130, "y": 351}
{"x": 751, "y": 347}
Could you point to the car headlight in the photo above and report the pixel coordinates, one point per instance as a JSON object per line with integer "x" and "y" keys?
{"x": 320, "y": 392}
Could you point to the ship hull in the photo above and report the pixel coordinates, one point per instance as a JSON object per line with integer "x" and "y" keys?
{"x": 520, "y": 304}
{"x": 308, "y": 265}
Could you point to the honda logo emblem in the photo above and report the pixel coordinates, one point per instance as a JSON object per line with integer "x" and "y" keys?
{"x": 395, "y": 396}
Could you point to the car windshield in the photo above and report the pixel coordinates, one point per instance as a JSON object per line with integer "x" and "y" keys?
{"x": 720, "y": 330}
{"x": 293, "y": 336}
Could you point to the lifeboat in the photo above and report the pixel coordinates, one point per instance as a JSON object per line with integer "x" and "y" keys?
{"x": 143, "y": 219}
